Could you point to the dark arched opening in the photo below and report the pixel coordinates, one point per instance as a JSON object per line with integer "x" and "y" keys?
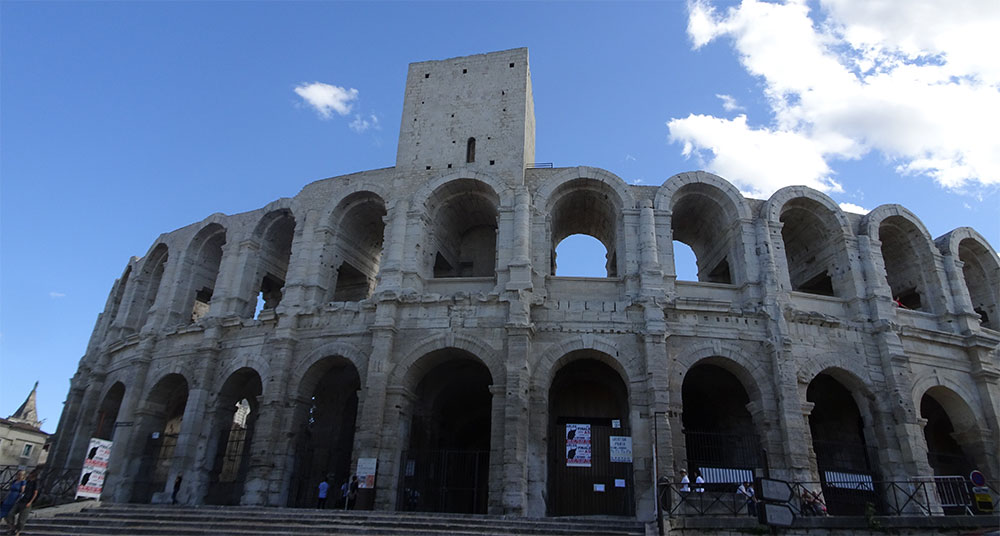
{"x": 720, "y": 438}
{"x": 161, "y": 422}
{"x": 588, "y": 413}
{"x": 446, "y": 465}
{"x": 235, "y": 419}
{"x": 108, "y": 412}
{"x": 844, "y": 460}
{"x": 326, "y": 414}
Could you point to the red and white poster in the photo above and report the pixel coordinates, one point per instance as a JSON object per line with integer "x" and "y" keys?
{"x": 95, "y": 466}
{"x": 366, "y": 472}
{"x": 578, "y": 445}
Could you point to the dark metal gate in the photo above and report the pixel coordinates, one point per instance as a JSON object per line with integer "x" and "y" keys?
{"x": 847, "y": 474}
{"x": 154, "y": 466}
{"x": 454, "y": 481}
{"x": 604, "y": 488}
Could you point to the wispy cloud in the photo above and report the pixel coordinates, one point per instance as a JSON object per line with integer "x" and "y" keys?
{"x": 909, "y": 80}
{"x": 55, "y": 295}
{"x": 729, "y": 104}
{"x": 851, "y": 207}
{"x": 327, "y": 99}
{"x": 361, "y": 124}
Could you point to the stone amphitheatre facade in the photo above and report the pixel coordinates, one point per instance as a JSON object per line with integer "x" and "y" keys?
{"x": 412, "y": 314}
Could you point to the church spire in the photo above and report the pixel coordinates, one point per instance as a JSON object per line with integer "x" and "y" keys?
{"x": 27, "y": 413}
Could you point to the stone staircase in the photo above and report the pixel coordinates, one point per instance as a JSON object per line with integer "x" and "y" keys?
{"x": 141, "y": 520}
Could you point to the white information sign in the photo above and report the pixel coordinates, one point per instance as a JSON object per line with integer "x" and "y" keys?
{"x": 366, "y": 472}
{"x": 621, "y": 449}
{"x": 578, "y": 446}
{"x": 95, "y": 466}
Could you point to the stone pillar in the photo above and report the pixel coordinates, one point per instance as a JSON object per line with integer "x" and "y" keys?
{"x": 515, "y": 422}
{"x": 390, "y": 276}
{"x": 69, "y": 422}
{"x": 650, "y": 272}
{"x": 85, "y": 420}
{"x": 197, "y": 471}
{"x": 239, "y": 296}
{"x": 374, "y": 437}
{"x": 188, "y": 442}
{"x": 273, "y": 444}
{"x": 128, "y": 437}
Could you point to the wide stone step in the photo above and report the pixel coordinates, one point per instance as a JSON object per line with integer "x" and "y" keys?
{"x": 152, "y": 520}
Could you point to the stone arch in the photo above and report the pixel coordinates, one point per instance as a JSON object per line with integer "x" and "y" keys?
{"x": 300, "y": 373}
{"x": 236, "y": 411}
{"x": 957, "y": 401}
{"x": 408, "y": 371}
{"x": 815, "y": 233}
{"x": 160, "y": 416}
{"x": 118, "y": 294}
{"x": 448, "y": 395}
{"x": 586, "y": 201}
{"x": 505, "y": 195}
{"x": 200, "y": 271}
{"x": 272, "y": 239}
{"x": 461, "y": 236}
{"x": 908, "y": 256}
{"x": 325, "y": 407}
{"x": 706, "y": 214}
{"x": 956, "y": 440}
{"x": 353, "y": 245}
{"x": 558, "y": 355}
{"x": 722, "y": 424}
{"x": 149, "y": 281}
{"x": 623, "y": 197}
{"x": 980, "y": 272}
{"x": 107, "y": 412}
{"x": 730, "y": 357}
{"x": 588, "y": 397}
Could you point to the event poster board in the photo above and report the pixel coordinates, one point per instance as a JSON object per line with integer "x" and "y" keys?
{"x": 621, "y": 449}
{"x": 95, "y": 467}
{"x": 578, "y": 448}
{"x": 366, "y": 472}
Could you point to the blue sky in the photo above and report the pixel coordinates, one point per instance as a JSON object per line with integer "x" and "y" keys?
{"x": 120, "y": 121}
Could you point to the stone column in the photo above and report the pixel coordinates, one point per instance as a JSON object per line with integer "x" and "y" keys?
{"x": 273, "y": 444}
{"x": 515, "y": 421}
{"x": 85, "y": 419}
{"x": 128, "y": 437}
{"x": 373, "y": 438}
{"x": 390, "y": 276}
{"x": 69, "y": 421}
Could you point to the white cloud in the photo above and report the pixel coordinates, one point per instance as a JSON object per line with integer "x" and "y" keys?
{"x": 757, "y": 161}
{"x": 361, "y": 124}
{"x": 54, "y": 295}
{"x": 912, "y": 80}
{"x": 729, "y": 104}
{"x": 851, "y": 207}
{"x": 326, "y": 99}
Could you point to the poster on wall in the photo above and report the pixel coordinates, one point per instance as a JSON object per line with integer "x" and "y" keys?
{"x": 577, "y": 445}
{"x": 95, "y": 466}
{"x": 366, "y": 472}
{"x": 621, "y": 449}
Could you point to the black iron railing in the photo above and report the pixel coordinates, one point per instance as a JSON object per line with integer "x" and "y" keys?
{"x": 918, "y": 497}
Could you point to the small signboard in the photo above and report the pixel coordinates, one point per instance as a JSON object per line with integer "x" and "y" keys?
{"x": 621, "y": 449}
{"x": 95, "y": 466}
{"x": 778, "y": 515}
{"x": 774, "y": 490}
{"x": 366, "y": 472}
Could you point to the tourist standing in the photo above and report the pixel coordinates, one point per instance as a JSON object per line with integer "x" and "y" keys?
{"x": 352, "y": 494}
{"x": 13, "y": 495}
{"x": 18, "y": 515}
{"x": 324, "y": 488}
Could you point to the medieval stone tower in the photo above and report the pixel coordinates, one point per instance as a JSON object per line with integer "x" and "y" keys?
{"x": 412, "y": 315}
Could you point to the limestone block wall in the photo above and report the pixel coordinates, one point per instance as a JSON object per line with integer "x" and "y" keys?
{"x": 408, "y": 310}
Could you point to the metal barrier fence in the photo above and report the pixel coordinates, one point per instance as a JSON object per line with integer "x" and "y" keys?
{"x": 58, "y": 486}
{"x": 919, "y": 497}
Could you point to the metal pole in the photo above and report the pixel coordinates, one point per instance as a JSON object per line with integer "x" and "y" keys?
{"x": 656, "y": 473}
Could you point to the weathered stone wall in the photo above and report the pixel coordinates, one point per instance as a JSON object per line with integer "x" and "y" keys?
{"x": 522, "y": 322}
